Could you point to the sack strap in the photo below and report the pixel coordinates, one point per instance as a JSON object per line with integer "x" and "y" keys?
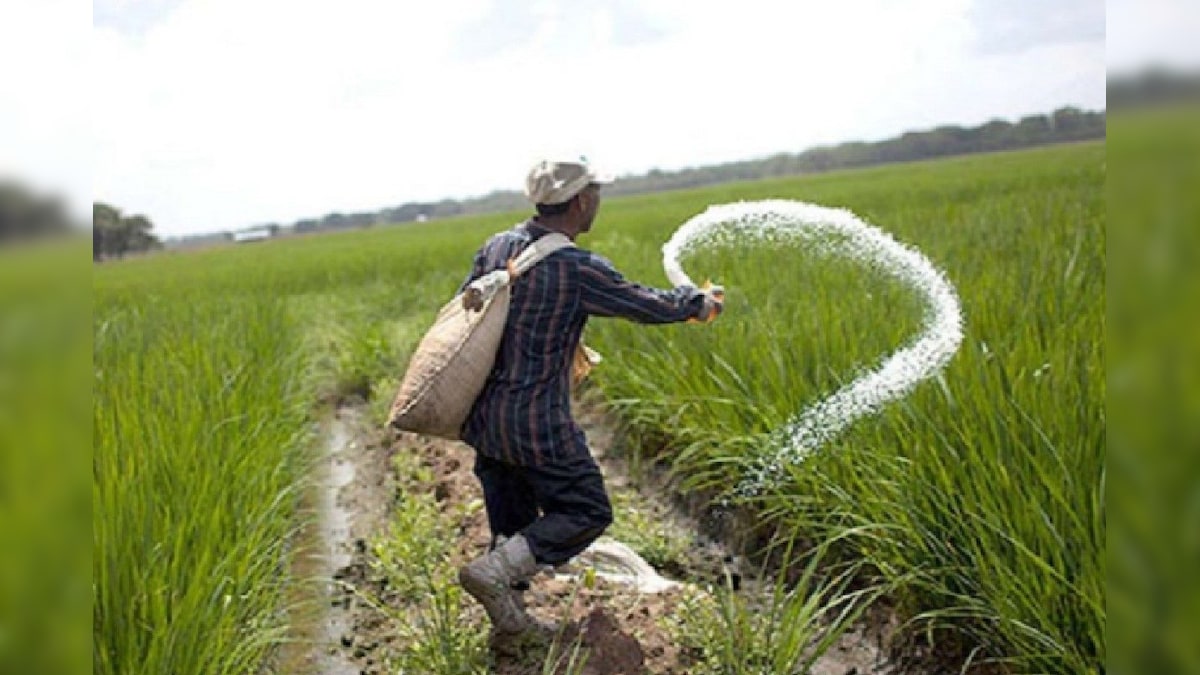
{"x": 537, "y": 251}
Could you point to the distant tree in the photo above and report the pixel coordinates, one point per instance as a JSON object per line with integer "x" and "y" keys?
{"x": 1153, "y": 86}
{"x": 108, "y": 237}
{"x": 140, "y": 232}
{"x": 26, "y": 215}
{"x": 363, "y": 219}
{"x": 335, "y": 221}
{"x": 307, "y": 225}
{"x": 115, "y": 235}
{"x": 1069, "y": 121}
{"x": 445, "y": 209}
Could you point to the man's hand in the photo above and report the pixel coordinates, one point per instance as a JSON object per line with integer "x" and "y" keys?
{"x": 714, "y": 302}
{"x": 472, "y": 299}
{"x": 585, "y": 359}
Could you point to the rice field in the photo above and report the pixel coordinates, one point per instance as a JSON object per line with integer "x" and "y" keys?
{"x": 981, "y": 495}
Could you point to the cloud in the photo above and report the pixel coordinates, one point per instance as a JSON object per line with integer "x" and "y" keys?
{"x": 1013, "y": 26}
{"x": 131, "y": 17}
{"x": 558, "y": 29}
{"x": 505, "y": 26}
{"x": 1153, "y": 33}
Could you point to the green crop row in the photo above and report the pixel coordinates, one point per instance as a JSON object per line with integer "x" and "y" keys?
{"x": 982, "y": 492}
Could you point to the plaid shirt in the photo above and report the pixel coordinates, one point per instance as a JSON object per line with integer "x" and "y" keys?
{"x": 523, "y": 415}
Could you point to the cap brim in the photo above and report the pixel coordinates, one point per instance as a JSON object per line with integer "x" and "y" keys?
{"x": 601, "y": 178}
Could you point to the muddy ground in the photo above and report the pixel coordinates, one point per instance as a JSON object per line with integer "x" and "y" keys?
{"x": 623, "y": 631}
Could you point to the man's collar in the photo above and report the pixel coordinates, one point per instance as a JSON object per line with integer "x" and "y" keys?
{"x": 537, "y": 229}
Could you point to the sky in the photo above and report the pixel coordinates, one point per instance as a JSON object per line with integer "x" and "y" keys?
{"x": 211, "y": 115}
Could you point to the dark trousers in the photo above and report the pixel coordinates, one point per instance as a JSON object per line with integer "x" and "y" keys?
{"x": 560, "y": 507}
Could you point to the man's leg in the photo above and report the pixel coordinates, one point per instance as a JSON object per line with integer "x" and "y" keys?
{"x": 496, "y": 578}
{"x": 575, "y": 508}
{"x": 507, "y": 497}
{"x": 510, "y": 504}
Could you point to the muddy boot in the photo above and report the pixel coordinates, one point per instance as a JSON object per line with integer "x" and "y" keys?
{"x": 517, "y": 591}
{"x": 546, "y": 628}
{"x": 489, "y": 579}
{"x": 519, "y": 587}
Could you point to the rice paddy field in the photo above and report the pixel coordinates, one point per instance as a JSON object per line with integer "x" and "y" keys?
{"x": 980, "y": 497}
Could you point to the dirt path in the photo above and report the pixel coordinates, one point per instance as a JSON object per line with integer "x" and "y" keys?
{"x": 623, "y": 630}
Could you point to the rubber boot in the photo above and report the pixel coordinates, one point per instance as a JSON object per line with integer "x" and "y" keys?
{"x": 489, "y": 579}
{"x": 517, "y": 588}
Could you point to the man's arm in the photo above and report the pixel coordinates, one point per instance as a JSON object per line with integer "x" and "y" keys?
{"x": 604, "y": 292}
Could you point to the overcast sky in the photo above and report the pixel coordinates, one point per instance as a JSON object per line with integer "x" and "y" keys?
{"x": 218, "y": 114}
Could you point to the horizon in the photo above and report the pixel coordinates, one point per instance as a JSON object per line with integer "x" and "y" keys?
{"x": 517, "y": 188}
{"x": 216, "y": 115}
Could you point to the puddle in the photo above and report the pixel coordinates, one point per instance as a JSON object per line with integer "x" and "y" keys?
{"x": 335, "y": 522}
{"x": 335, "y": 519}
{"x": 322, "y": 616}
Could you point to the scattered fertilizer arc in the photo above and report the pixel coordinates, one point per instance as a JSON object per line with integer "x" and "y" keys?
{"x": 835, "y": 232}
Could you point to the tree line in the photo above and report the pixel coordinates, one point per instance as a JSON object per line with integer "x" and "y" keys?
{"x": 1152, "y": 87}
{"x": 26, "y": 215}
{"x": 1063, "y": 125}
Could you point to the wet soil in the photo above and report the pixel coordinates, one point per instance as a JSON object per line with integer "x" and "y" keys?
{"x": 347, "y": 502}
{"x": 620, "y": 629}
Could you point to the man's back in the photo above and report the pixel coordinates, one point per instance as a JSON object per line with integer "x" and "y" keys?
{"x": 523, "y": 415}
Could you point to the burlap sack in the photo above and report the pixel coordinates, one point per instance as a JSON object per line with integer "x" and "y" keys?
{"x": 452, "y": 362}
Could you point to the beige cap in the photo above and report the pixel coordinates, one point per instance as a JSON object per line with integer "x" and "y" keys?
{"x": 554, "y": 182}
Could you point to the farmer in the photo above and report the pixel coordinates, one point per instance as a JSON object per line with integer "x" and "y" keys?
{"x": 543, "y": 492}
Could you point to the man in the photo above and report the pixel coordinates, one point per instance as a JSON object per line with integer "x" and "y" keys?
{"x": 544, "y": 496}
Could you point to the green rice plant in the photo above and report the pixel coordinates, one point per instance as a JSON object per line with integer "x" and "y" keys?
{"x": 207, "y": 366}
{"x": 984, "y": 489}
{"x": 567, "y": 656}
{"x": 436, "y": 638}
{"x": 44, "y": 513}
{"x": 1154, "y": 400}
{"x": 785, "y": 628}
{"x": 199, "y": 437}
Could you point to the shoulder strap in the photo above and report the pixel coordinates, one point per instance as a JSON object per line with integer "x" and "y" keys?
{"x": 537, "y": 251}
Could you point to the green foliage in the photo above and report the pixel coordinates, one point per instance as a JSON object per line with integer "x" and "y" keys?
{"x": 987, "y": 485}
{"x": 1154, "y": 402}
{"x": 434, "y": 637}
{"x": 45, "y": 518}
{"x": 199, "y": 436}
{"x": 784, "y": 630}
{"x": 980, "y": 496}
{"x": 206, "y": 368}
{"x": 26, "y": 214}
{"x": 115, "y": 235}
